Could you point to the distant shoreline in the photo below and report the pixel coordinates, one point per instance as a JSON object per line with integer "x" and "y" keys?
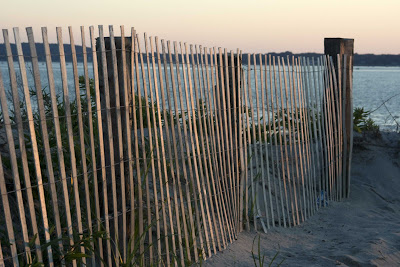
{"x": 383, "y": 60}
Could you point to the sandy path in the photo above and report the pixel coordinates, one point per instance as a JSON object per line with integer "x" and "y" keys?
{"x": 364, "y": 230}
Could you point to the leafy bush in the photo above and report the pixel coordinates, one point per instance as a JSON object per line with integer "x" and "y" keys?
{"x": 362, "y": 122}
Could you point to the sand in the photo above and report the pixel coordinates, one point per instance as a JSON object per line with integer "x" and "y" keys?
{"x": 363, "y": 230}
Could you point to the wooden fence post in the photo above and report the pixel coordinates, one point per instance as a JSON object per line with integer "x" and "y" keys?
{"x": 333, "y": 48}
{"x": 110, "y": 70}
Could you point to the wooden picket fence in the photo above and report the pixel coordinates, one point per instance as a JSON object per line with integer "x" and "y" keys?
{"x": 160, "y": 153}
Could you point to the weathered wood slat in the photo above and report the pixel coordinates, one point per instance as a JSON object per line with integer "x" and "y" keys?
{"x": 92, "y": 150}
{"x": 226, "y": 178}
{"x": 56, "y": 121}
{"x": 174, "y": 155}
{"x": 183, "y": 142}
{"x": 265, "y": 144}
{"x": 295, "y": 210}
{"x": 243, "y": 161}
{"x": 208, "y": 176}
{"x": 193, "y": 131}
{"x": 294, "y": 151}
{"x": 81, "y": 134}
{"x": 74, "y": 174}
{"x": 143, "y": 144}
{"x": 220, "y": 144}
{"x": 152, "y": 148}
{"x": 213, "y": 163}
{"x": 3, "y": 189}
{"x": 258, "y": 151}
{"x": 278, "y": 131}
{"x": 32, "y": 133}
{"x": 161, "y": 155}
{"x": 171, "y": 153}
{"x": 128, "y": 138}
{"x": 43, "y": 126}
{"x": 101, "y": 137}
{"x": 119, "y": 153}
{"x": 270, "y": 115}
{"x": 310, "y": 153}
{"x": 226, "y": 98}
{"x": 21, "y": 141}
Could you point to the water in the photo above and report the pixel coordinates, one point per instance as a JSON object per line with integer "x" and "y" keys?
{"x": 371, "y": 87}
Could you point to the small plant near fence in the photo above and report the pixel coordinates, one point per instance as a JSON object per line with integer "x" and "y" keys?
{"x": 362, "y": 122}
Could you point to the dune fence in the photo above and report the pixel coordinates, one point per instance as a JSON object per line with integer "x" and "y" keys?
{"x": 119, "y": 150}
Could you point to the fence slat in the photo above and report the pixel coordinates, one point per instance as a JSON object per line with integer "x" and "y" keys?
{"x": 230, "y": 150}
{"x": 196, "y": 147}
{"x": 270, "y": 114}
{"x": 32, "y": 132}
{"x": 110, "y": 138}
{"x": 167, "y": 191}
{"x": 235, "y": 145}
{"x": 286, "y": 182}
{"x": 340, "y": 130}
{"x": 43, "y": 126}
{"x": 220, "y": 148}
{"x": 189, "y": 145}
{"x": 329, "y": 125}
{"x": 280, "y": 145}
{"x": 74, "y": 174}
{"x": 143, "y": 143}
{"x": 321, "y": 75}
{"x": 295, "y": 210}
{"x": 300, "y": 137}
{"x": 81, "y": 134}
{"x": 335, "y": 114}
{"x": 175, "y": 149}
{"x": 119, "y": 153}
{"x": 128, "y": 138}
{"x": 183, "y": 140}
{"x": 293, "y": 150}
{"x": 57, "y": 130}
{"x": 161, "y": 155}
{"x": 200, "y": 95}
{"x": 1, "y": 252}
{"x": 265, "y": 144}
{"x": 305, "y": 101}
{"x": 311, "y": 128}
{"x": 225, "y": 131}
{"x": 152, "y": 148}
{"x": 243, "y": 161}
{"x": 3, "y": 189}
{"x": 21, "y": 141}
{"x": 213, "y": 163}
{"x": 101, "y": 137}
{"x": 257, "y": 148}
{"x": 344, "y": 130}
{"x": 92, "y": 148}
{"x": 171, "y": 153}
{"x": 317, "y": 131}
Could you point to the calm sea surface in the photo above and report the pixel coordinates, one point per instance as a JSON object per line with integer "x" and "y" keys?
{"x": 374, "y": 85}
{"x": 371, "y": 87}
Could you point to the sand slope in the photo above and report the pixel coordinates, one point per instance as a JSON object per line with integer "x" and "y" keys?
{"x": 364, "y": 230}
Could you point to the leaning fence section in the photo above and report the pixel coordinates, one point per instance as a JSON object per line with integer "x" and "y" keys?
{"x": 125, "y": 149}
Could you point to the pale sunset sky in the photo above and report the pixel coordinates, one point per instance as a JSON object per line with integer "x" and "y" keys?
{"x": 253, "y": 26}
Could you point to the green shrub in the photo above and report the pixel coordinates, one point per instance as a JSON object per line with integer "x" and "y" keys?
{"x": 362, "y": 122}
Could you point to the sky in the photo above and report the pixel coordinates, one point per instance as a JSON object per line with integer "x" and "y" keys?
{"x": 250, "y": 25}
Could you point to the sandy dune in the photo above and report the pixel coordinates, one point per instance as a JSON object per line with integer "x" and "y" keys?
{"x": 363, "y": 230}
